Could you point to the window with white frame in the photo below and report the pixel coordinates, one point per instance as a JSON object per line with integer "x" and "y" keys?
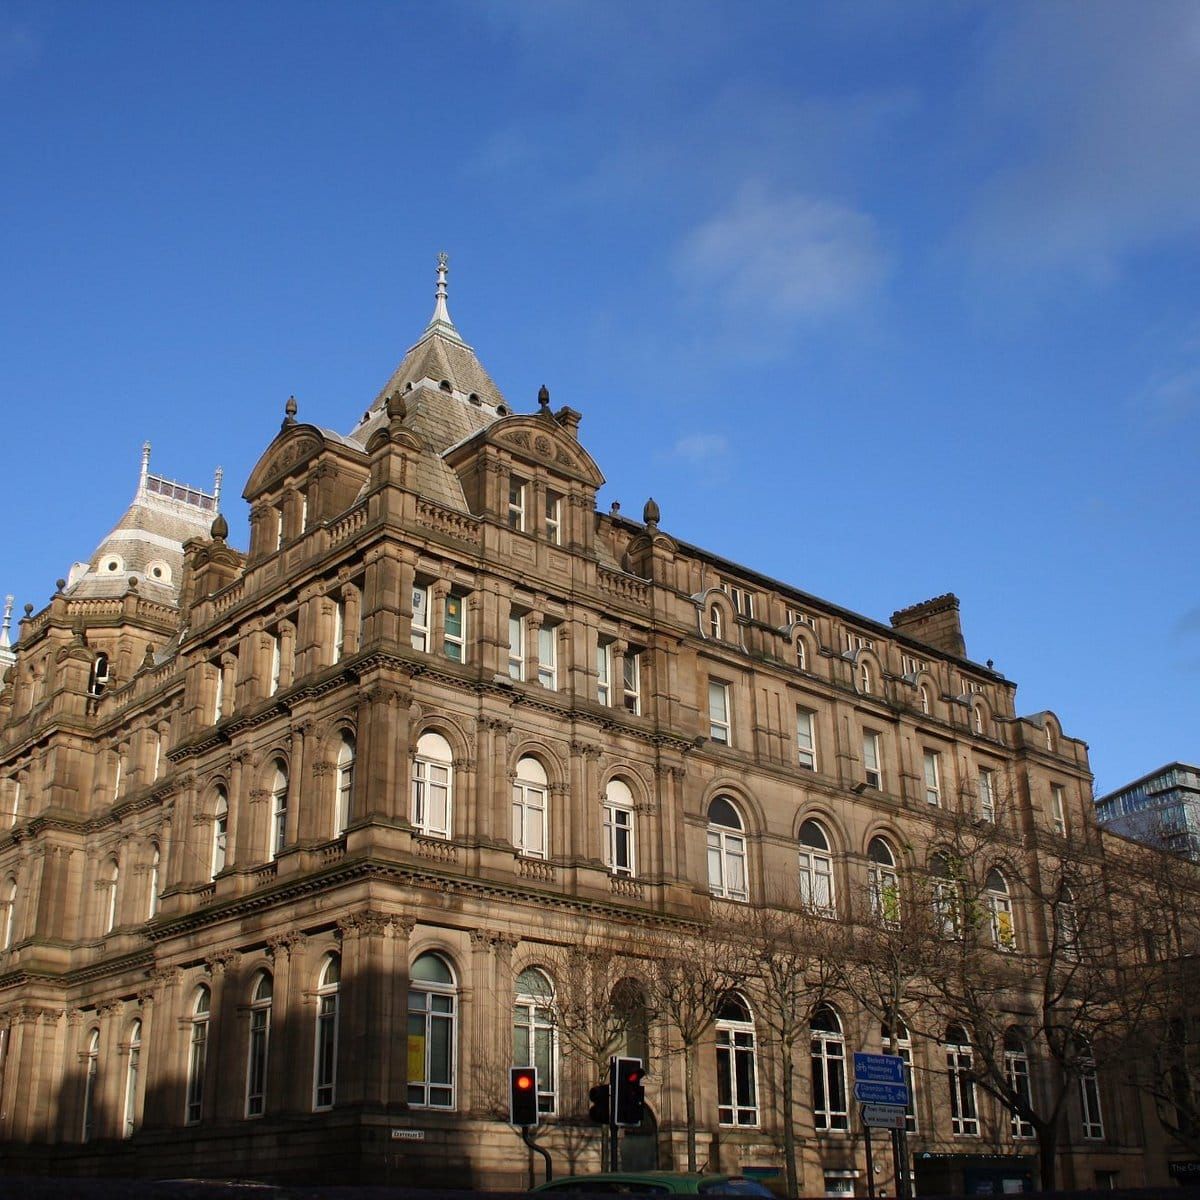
{"x": 987, "y": 794}
{"x": 9, "y": 916}
{"x": 884, "y": 882}
{"x": 339, "y": 629}
{"x": 278, "y": 513}
{"x": 911, "y": 665}
{"x": 343, "y": 802}
{"x": 98, "y": 677}
{"x": 118, "y": 773}
{"x": 923, "y": 699}
{"x": 806, "y": 738}
{"x": 816, "y": 869}
{"x": 218, "y": 691}
{"x": 554, "y": 503}
{"x": 737, "y": 1063}
{"x": 1000, "y": 912}
{"x": 1066, "y": 923}
{"x": 718, "y": 712}
{"x": 872, "y": 770}
{"x": 902, "y": 1048}
{"x": 516, "y": 503}
{"x": 198, "y": 1053}
{"x": 933, "y": 778}
{"x": 631, "y": 682}
{"x": 154, "y": 880}
{"x": 13, "y": 787}
{"x": 454, "y": 628}
{"x": 619, "y": 828}
{"x": 726, "y": 851}
{"x": 978, "y": 721}
{"x": 1058, "y": 809}
{"x": 831, "y": 1110}
{"x": 133, "y": 1068}
{"x": 1016, "y": 1071}
{"x": 716, "y": 623}
{"x": 946, "y": 889}
{"x": 279, "y": 808}
{"x": 742, "y": 598}
{"x": 432, "y": 1028}
{"x": 258, "y": 1045}
{"x": 960, "y": 1076}
{"x": 516, "y": 646}
{"x": 325, "y": 1051}
{"x": 865, "y": 681}
{"x": 91, "y": 1070}
{"x": 220, "y": 834}
{"x": 801, "y": 654}
{"x": 548, "y": 655}
{"x": 529, "y": 794}
{"x": 604, "y": 671}
{"x": 796, "y": 616}
{"x": 1089, "y": 1096}
{"x": 535, "y": 1040}
{"x": 155, "y": 758}
{"x": 112, "y": 877}
{"x": 856, "y": 641}
{"x": 432, "y": 786}
{"x": 419, "y": 628}
{"x": 276, "y": 661}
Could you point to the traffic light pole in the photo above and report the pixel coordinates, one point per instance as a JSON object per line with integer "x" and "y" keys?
{"x": 614, "y": 1152}
{"x": 527, "y": 1138}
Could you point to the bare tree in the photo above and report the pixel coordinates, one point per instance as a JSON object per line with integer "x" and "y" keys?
{"x": 687, "y": 972}
{"x": 791, "y": 961}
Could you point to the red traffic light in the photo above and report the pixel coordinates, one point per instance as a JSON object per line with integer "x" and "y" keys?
{"x": 523, "y": 1082}
{"x": 523, "y": 1096}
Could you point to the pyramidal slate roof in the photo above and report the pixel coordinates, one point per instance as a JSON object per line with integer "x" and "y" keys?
{"x": 448, "y": 393}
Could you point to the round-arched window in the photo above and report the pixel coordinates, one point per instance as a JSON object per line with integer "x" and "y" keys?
{"x": 816, "y": 868}
{"x": 726, "y": 851}
{"x": 432, "y": 1018}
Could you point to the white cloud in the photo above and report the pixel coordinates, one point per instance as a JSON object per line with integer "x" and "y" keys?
{"x": 782, "y": 257}
{"x": 700, "y": 447}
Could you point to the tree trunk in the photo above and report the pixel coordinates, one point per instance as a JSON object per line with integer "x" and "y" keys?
{"x": 789, "y": 1129}
{"x": 689, "y": 1099}
{"x": 1047, "y": 1136}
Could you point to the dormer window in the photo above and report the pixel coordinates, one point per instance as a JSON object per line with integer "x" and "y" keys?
{"x": 516, "y": 504}
{"x": 159, "y": 571}
{"x": 716, "y": 623}
{"x": 743, "y": 599}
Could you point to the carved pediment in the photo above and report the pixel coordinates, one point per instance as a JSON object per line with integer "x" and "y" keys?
{"x": 537, "y": 440}
{"x": 290, "y": 449}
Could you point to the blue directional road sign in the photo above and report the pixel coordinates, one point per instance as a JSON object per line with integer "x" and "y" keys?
{"x": 866, "y": 1092}
{"x": 879, "y": 1079}
{"x": 878, "y": 1068}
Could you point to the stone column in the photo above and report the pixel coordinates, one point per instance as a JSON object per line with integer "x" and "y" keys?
{"x": 224, "y": 1083}
{"x": 287, "y": 1050}
{"x": 237, "y": 800}
{"x": 297, "y": 774}
{"x": 365, "y": 1011}
{"x": 181, "y": 871}
{"x": 165, "y": 1055}
{"x": 387, "y": 746}
{"x": 396, "y": 1035}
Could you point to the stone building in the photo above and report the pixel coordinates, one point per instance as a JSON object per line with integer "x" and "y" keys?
{"x": 291, "y": 832}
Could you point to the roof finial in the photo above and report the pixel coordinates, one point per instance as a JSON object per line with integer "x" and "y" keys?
{"x": 544, "y": 399}
{"x": 218, "y": 475}
{"x": 440, "y": 322}
{"x": 289, "y": 412}
{"x": 4, "y": 642}
{"x": 145, "y": 467}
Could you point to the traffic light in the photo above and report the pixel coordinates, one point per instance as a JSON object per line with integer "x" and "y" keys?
{"x": 523, "y": 1096}
{"x": 598, "y": 1109}
{"x": 631, "y": 1095}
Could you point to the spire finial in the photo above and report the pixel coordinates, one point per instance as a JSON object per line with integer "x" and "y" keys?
{"x": 145, "y": 467}
{"x": 289, "y": 412}
{"x": 7, "y": 625}
{"x": 218, "y": 475}
{"x": 441, "y": 314}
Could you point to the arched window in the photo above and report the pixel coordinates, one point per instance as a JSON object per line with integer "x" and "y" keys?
{"x": 816, "y": 868}
{"x": 618, "y": 828}
{"x": 923, "y": 699}
{"x": 828, "y": 1051}
{"x": 864, "y": 677}
{"x": 91, "y": 1069}
{"x": 737, "y": 1063}
{"x": 1016, "y": 1070}
{"x": 155, "y": 873}
{"x": 1066, "y": 923}
{"x": 535, "y": 1041}
{"x": 344, "y": 785}
{"x": 433, "y": 786}
{"x": 258, "y": 1046}
{"x": 978, "y": 719}
{"x": 9, "y": 916}
{"x": 885, "y": 882}
{"x": 716, "y": 623}
{"x": 279, "y": 807}
{"x": 198, "y": 1053}
{"x": 999, "y": 906}
{"x": 112, "y": 876}
{"x": 325, "y": 1056}
{"x": 801, "y": 654}
{"x": 220, "y": 833}
{"x": 432, "y": 1018}
{"x": 726, "y": 851}
{"x": 98, "y": 679}
{"x": 133, "y": 1069}
{"x": 902, "y": 1049}
{"x": 960, "y": 1075}
{"x": 1090, "y": 1112}
{"x": 529, "y": 793}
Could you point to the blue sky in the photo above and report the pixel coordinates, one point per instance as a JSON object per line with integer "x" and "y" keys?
{"x": 882, "y": 299}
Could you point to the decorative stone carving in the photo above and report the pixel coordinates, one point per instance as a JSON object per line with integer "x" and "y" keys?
{"x": 217, "y": 964}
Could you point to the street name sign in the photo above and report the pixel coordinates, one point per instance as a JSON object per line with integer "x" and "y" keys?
{"x": 883, "y": 1116}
